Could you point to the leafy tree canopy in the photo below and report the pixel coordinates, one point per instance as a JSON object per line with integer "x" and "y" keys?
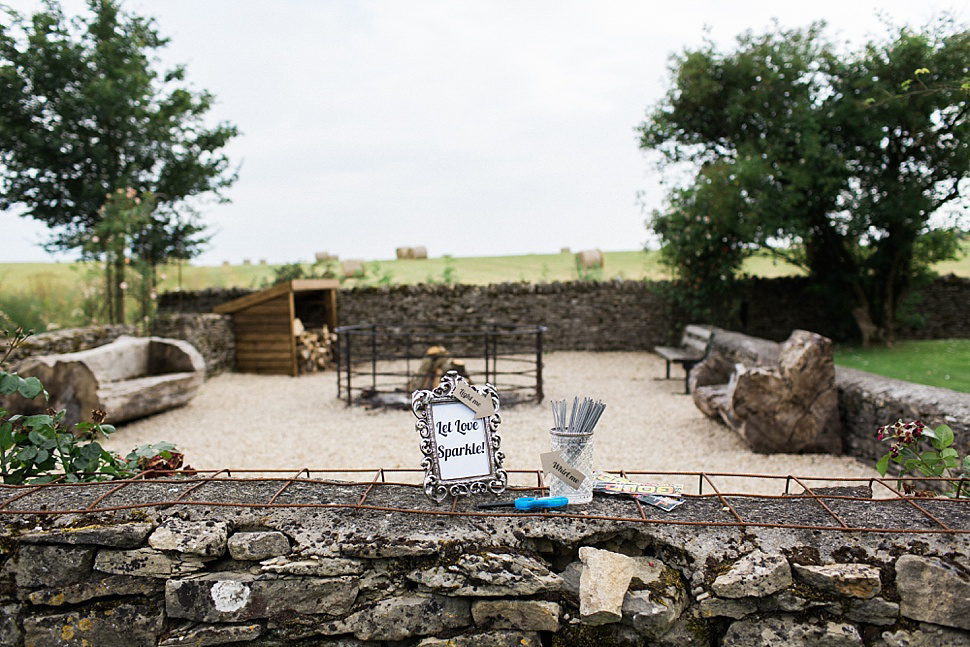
{"x": 84, "y": 112}
{"x": 833, "y": 160}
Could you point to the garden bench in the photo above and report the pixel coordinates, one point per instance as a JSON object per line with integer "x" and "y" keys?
{"x": 129, "y": 378}
{"x": 693, "y": 348}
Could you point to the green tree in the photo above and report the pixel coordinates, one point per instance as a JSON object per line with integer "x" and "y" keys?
{"x": 705, "y": 234}
{"x": 832, "y": 160}
{"x": 84, "y": 112}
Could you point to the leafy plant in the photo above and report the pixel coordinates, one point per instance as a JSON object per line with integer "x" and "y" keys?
{"x": 942, "y": 460}
{"x": 543, "y": 273}
{"x": 382, "y": 275}
{"x": 39, "y": 449}
{"x": 449, "y": 274}
{"x": 591, "y": 274}
{"x": 290, "y": 271}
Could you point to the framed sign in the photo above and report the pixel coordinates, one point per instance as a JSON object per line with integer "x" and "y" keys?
{"x": 458, "y": 424}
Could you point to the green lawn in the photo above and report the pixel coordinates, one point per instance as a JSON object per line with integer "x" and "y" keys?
{"x": 936, "y": 362}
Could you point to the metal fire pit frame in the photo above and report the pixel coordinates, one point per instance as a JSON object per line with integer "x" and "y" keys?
{"x": 509, "y": 355}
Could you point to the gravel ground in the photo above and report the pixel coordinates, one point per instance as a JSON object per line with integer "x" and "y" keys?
{"x": 255, "y": 422}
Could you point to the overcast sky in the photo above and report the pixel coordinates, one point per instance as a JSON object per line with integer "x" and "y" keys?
{"x": 472, "y": 127}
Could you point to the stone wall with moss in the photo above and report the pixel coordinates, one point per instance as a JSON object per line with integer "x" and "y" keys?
{"x": 867, "y": 401}
{"x": 213, "y": 573}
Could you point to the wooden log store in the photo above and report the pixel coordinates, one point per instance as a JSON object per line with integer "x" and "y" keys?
{"x": 265, "y": 323}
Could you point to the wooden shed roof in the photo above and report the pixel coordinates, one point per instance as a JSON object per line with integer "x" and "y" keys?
{"x": 295, "y": 285}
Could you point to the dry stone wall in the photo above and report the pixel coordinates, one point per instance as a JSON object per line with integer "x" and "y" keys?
{"x": 621, "y": 315}
{"x": 772, "y": 308}
{"x": 188, "y": 301}
{"x": 270, "y": 576}
{"x": 210, "y": 333}
{"x": 867, "y": 401}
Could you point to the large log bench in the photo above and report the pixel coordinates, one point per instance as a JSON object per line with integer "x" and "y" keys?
{"x": 692, "y": 349}
{"x": 129, "y": 378}
{"x": 780, "y": 398}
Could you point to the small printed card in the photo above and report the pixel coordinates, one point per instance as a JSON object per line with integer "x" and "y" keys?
{"x": 481, "y": 404}
{"x": 461, "y": 442}
{"x": 665, "y": 503}
{"x": 607, "y": 483}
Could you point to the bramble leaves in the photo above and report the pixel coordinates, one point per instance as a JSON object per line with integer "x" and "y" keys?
{"x": 883, "y": 465}
{"x": 941, "y": 461}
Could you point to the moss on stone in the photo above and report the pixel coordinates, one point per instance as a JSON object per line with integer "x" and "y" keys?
{"x": 698, "y": 628}
{"x": 811, "y": 594}
{"x": 660, "y": 588}
{"x": 580, "y": 635}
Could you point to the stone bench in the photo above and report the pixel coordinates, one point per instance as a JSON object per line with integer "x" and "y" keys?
{"x": 129, "y": 378}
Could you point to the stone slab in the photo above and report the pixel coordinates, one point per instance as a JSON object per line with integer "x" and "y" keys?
{"x": 238, "y": 597}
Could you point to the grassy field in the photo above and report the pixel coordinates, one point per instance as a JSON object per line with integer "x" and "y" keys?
{"x": 33, "y": 279}
{"x": 65, "y": 294}
{"x": 43, "y": 278}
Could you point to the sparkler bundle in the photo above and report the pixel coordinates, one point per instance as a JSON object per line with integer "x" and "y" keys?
{"x": 582, "y": 418}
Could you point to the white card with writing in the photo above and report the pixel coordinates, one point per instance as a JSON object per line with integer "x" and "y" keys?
{"x": 460, "y": 440}
{"x": 481, "y": 404}
{"x": 554, "y": 465}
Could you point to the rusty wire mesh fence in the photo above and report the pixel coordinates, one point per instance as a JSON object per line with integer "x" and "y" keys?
{"x": 802, "y": 502}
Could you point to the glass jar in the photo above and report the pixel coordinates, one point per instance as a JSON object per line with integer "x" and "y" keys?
{"x": 577, "y": 453}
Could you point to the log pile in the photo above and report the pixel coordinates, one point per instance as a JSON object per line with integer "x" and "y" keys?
{"x": 314, "y": 348}
{"x": 437, "y": 361}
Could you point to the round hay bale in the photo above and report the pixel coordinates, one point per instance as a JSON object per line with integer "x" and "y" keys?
{"x": 352, "y": 268}
{"x": 589, "y": 258}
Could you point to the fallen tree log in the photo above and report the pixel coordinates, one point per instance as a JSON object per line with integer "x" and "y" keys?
{"x": 129, "y": 378}
{"x": 780, "y": 398}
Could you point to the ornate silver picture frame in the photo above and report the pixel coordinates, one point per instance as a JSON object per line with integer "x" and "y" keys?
{"x": 461, "y": 450}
